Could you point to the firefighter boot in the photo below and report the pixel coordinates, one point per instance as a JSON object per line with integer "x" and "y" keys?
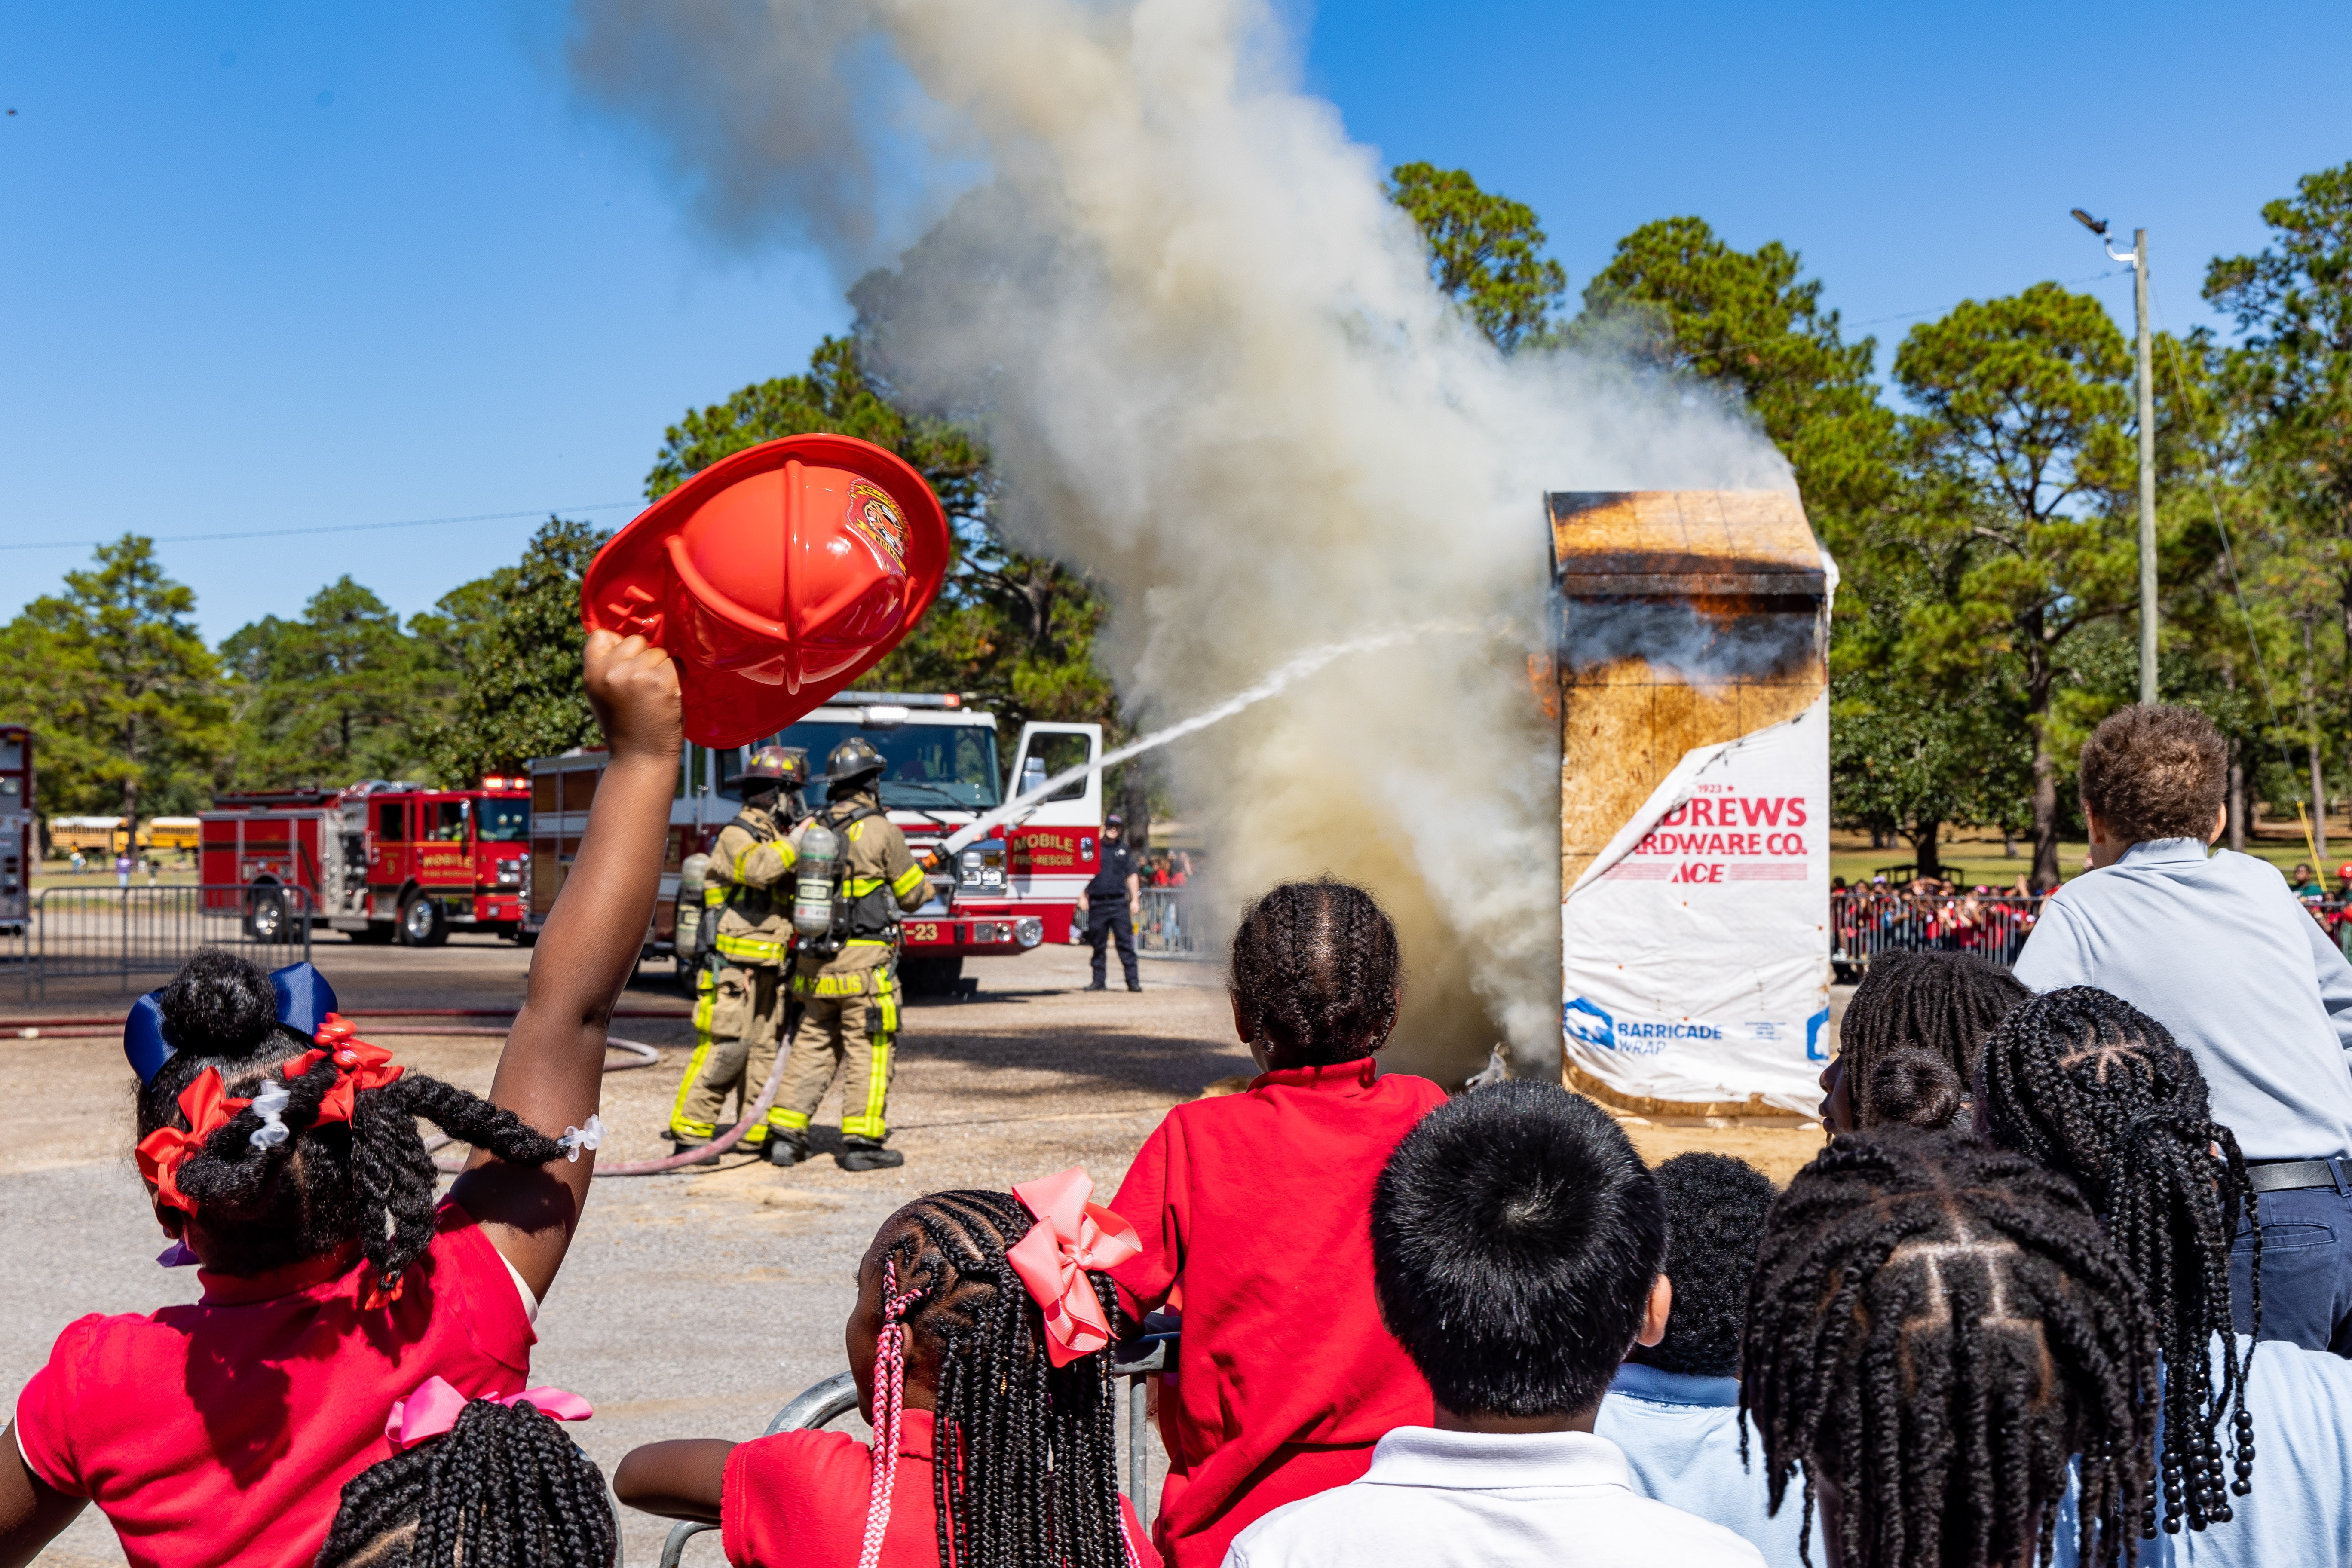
{"x": 866, "y": 1154}
{"x": 786, "y": 1149}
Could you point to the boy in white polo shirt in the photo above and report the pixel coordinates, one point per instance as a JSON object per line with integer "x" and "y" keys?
{"x": 1517, "y": 1243}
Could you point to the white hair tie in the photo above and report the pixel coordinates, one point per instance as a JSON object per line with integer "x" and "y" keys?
{"x": 269, "y": 1103}
{"x": 575, "y": 1139}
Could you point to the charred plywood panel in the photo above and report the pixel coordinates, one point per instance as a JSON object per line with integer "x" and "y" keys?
{"x": 1689, "y": 627}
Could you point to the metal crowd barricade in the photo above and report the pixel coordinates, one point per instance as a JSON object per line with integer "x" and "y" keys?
{"x": 1874, "y": 918}
{"x": 1166, "y": 926}
{"x": 130, "y": 932}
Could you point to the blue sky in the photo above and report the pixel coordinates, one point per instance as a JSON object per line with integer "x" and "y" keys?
{"x": 281, "y": 267}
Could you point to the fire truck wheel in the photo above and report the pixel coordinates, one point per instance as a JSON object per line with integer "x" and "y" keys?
{"x": 264, "y": 914}
{"x": 421, "y": 924}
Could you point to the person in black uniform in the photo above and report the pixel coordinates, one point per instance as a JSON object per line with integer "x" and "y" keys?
{"x": 1114, "y": 902}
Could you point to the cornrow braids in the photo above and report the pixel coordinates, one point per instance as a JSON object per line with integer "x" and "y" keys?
{"x": 1026, "y": 1456}
{"x": 1318, "y": 966}
{"x": 1943, "y": 1003}
{"x": 1935, "y": 1329}
{"x": 2086, "y": 1084}
{"x": 328, "y": 1184}
{"x": 505, "y": 1488}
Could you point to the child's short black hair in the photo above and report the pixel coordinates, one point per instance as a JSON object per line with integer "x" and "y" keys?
{"x": 1317, "y": 968}
{"x": 1716, "y": 1207}
{"x": 367, "y": 1179}
{"x": 1516, "y": 1236}
{"x": 505, "y": 1488}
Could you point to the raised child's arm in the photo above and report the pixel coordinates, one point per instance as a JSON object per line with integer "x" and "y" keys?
{"x": 552, "y": 1072}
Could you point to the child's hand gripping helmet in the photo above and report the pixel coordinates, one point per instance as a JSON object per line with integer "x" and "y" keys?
{"x": 774, "y": 578}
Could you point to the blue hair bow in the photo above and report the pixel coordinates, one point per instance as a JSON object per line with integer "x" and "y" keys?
{"x": 304, "y": 1000}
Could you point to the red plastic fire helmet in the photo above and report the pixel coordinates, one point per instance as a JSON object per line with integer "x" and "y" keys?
{"x": 774, "y": 578}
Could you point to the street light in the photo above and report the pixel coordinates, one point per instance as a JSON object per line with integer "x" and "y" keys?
{"x": 2138, "y": 258}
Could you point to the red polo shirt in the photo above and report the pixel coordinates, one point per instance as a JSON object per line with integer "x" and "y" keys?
{"x": 798, "y": 1501}
{"x": 222, "y": 1432}
{"x": 1259, "y": 1206}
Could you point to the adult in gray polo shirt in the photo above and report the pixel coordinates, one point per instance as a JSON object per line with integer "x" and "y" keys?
{"x": 2218, "y": 950}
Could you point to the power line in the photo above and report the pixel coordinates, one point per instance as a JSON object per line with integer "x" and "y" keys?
{"x": 338, "y": 528}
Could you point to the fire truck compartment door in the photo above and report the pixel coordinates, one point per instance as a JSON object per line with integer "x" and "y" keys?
{"x": 1046, "y": 749}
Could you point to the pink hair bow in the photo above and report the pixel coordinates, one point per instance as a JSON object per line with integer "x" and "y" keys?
{"x": 435, "y": 1407}
{"x": 1071, "y": 1238}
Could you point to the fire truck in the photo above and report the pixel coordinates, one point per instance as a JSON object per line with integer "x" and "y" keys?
{"x": 1005, "y": 894}
{"x": 378, "y": 860}
{"x": 17, "y": 847}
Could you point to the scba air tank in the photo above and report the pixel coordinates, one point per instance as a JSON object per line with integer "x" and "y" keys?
{"x": 812, "y": 902}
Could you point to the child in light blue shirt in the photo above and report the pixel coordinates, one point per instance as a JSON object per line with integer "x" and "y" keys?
{"x": 1673, "y": 1407}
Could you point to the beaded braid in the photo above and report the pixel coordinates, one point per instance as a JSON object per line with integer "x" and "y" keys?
{"x": 1936, "y": 1327}
{"x": 1318, "y": 964}
{"x": 505, "y": 1488}
{"x": 2086, "y": 1084}
{"x": 1025, "y": 1457}
{"x": 326, "y": 1184}
{"x": 1942, "y": 1003}
{"x": 889, "y": 1411}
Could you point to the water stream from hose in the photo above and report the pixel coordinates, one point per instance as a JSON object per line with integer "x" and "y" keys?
{"x": 1297, "y": 668}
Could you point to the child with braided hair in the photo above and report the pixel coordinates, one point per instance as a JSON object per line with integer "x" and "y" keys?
{"x": 281, "y": 1155}
{"x": 477, "y": 1483}
{"x": 1254, "y": 1208}
{"x": 981, "y": 1344}
{"x": 1940, "y": 1336}
{"x": 1938, "y": 1005}
{"x": 2088, "y": 1086}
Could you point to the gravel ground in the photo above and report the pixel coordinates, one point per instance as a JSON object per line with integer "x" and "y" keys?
{"x": 692, "y": 1304}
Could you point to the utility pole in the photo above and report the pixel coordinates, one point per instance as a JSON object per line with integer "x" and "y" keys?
{"x": 2146, "y": 473}
{"x": 2138, "y": 258}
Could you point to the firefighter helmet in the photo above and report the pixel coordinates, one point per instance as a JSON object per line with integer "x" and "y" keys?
{"x": 774, "y": 577}
{"x": 788, "y": 765}
{"x": 855, "y": 758}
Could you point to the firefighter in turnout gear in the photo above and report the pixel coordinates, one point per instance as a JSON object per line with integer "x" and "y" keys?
{"x": 744, "y": 939}
{"x": 845, "y": 981}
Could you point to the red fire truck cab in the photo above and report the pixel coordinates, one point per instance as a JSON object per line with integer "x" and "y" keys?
{"x": 378, "y": 860}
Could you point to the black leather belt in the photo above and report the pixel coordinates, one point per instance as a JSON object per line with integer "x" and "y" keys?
{"x": 2288, "y": 1175}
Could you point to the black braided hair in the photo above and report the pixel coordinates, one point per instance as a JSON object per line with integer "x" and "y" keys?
{"x": 505, "y": 1488}
{"x": 1912, "y": 1087}
{"x": 1025, "y": 1453}
{"x": 329, "y": 1184}
{"x": 1935, "y": 1327}
{"x": 1317, "y": 967}
{"x": 1944, "y": 1003}
{"x": 2090, "y": 1086}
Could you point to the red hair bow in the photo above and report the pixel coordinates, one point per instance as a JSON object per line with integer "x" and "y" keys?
{"x": 207, "y": 1109}
{"x": 1071, "y": 1236}
{"x": 361, "y": 1066}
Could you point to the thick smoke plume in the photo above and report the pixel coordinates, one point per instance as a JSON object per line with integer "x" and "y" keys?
{"x": 1216, "y": 376}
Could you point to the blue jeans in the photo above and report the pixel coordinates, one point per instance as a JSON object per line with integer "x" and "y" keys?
{"x": 2306, "y": 1266}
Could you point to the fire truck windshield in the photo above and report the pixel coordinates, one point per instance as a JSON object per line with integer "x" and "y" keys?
{"x": 926, "y": 767}
{"x": 502, "y": 821}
